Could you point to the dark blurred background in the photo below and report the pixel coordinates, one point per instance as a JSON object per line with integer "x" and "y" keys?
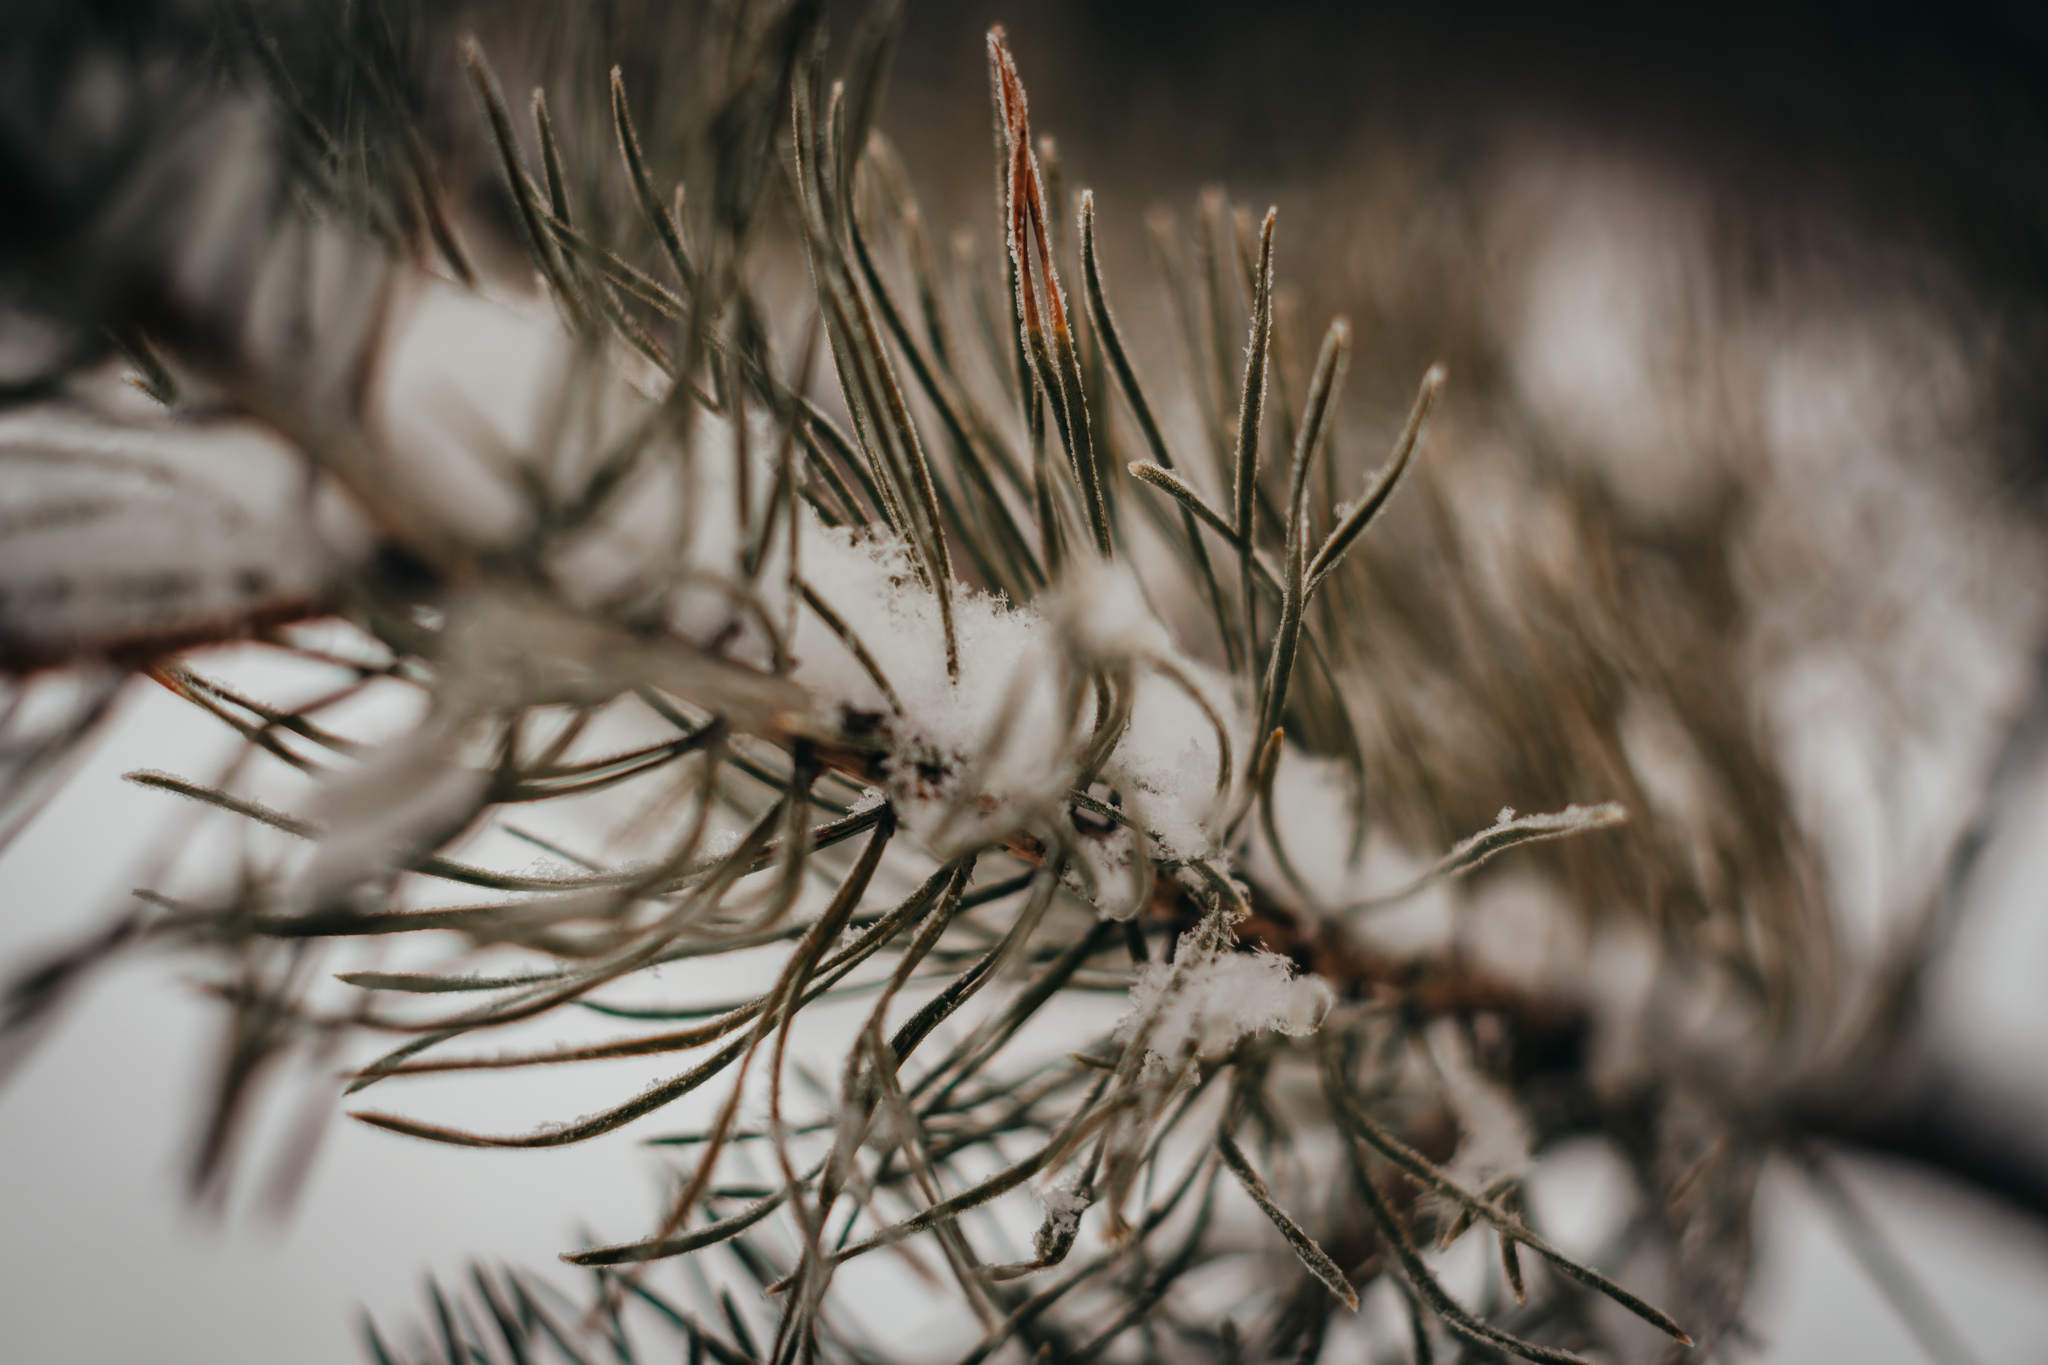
{"x": 1915, "y": 135}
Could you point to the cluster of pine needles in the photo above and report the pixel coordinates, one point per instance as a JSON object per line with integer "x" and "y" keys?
{"x": 994, "y": 422}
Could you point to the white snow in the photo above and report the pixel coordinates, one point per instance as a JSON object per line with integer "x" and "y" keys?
{"x": 1209, "y": 999}
{"x": 981, "y": 756}
{"x": 1063, "y": 1207}
{"x": 117, "y": 525}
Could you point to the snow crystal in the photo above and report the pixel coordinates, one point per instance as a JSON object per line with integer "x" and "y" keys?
{"x": 1212, "y": 999}
{"x": 969, "y": 757}
{"x": 977, "y": 756}
{"x": 1063, "y": 1207}
{"x": 1107, "y": 866}
{"x": 1509, "y": 829}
